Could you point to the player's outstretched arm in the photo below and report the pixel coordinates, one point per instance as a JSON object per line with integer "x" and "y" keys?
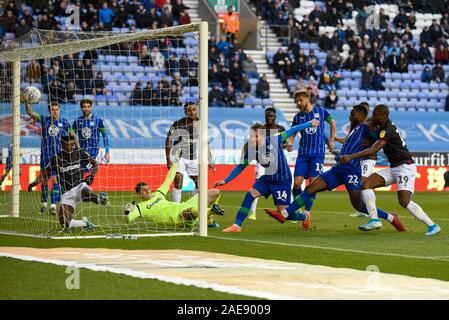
{"x": 293, "y": 130}
{"x": 234, "y": 174}
{"x": 94, "y": 164}
{"x": 375, "y": 148}
{"x": 340, "y": 140}
{"x": 35, "y": 116}
{"x": 165, "y": 186}
{"x": 332, "y": 133}
{"x": 168, "y": 150}
{"x": 104, "y": 133}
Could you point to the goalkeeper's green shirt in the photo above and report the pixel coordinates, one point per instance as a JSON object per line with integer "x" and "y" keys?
{"x": 158, "y": 209}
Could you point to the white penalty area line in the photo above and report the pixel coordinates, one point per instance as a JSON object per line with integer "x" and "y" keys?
{"x": 396, "y": 255}
{"x": 146, "y": 275}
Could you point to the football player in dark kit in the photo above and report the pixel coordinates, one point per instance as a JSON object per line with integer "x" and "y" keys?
{"x": 402, "y": 171}
{"x": 69, "y": 165}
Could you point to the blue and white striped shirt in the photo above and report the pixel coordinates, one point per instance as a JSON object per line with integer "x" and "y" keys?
{"x": 355, "y": 142}
{"x": 52, "y": 131}
{"x": 313, "y": 139}
{"x": 88, "y": 131}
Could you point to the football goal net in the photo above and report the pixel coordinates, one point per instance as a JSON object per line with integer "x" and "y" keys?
{"x": 131, "y": 98}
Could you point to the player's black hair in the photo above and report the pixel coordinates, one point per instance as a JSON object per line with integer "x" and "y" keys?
{"x": 270, "y": 109}
{"x": 67, "y": 139}
{"x": 366, "y": 105}
{"x": 53, "y": 103}
{"x": 361, "y": 108}
{"x": 83, "y": 101}
{"x": 139, "y": 186}
{"x": 383, "y": 109}
{"x": 188, "y": 104}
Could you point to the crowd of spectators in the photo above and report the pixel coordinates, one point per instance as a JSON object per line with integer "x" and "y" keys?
{"x": 389, "y": 48}
{"x": 64, "y": 77}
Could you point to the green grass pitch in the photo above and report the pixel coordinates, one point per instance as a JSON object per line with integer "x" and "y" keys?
{"x": 333, "y": 241}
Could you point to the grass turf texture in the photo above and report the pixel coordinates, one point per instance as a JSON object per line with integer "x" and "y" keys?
{"x": 333, "y": 241}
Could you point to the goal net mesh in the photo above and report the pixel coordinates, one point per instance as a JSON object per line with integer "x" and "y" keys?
{"x": 138, "y": 82}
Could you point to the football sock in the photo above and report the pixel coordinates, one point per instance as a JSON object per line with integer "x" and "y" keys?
{"x": 77, "y": 224}
{"x": 416, "y": 211}
{"x": 244, "y": 209}
{"x": 298, "y": 203}
{"x": 176, "y": 195}
{"x": 55, "y": 194}
{"x": 44, "y": 194}
{"x": 369, "y": 198}
{"x": 254, "y": 205}
{"x": 309, "y": 204}
{"x": 295, "y": 216}
{"x": 381, "y": 214}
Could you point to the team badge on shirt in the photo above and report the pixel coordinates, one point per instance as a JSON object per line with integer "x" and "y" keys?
{"x": 86, "y": 132}
{"x": 382, "y": 134}
{"x": 53, "y": 130}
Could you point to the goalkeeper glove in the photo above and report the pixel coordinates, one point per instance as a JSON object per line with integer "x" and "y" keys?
{"x": 128, "y": 207}
{"x": 89, "y": 179}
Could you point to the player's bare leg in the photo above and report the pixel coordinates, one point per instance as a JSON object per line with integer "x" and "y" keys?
{"x": 405, "y": 200}
{"x": 195, "y": 181}
{"x": 243, "y": 210}
{"x": 176, "y": 193}
{"x": 66, "y": 221}
{"x": 87, "y": 195}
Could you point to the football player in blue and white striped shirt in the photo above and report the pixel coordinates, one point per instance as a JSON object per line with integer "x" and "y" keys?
{"x": 88, "y": 128}
{"x": 277, "y": 178}
{"x": 348, "y": 174}
{"x": 311, "y": 152}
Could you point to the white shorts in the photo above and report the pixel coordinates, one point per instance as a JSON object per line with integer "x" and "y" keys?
{"x": 260, "y": 171}
{"x": 367, "y": 167}
{"x": 404, "y": 176}
{"x": 73, "y": 196}
{"x": 188, "y": 167}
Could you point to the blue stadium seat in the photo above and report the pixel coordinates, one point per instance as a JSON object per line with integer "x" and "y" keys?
{"x": 111, "y": 58}
{"x": 314, "y": 46}
{"x": 415, "y": 85}
{"x": 382, "y": 94}
{"x": 267, "y": 102}
{"x": 396, "y": 76}
{"x": 402, "y": 94}
{"x": 434, "y": 86}
{"x": 372, "y": 94}
{"x": 346, "y": 74}
{"x": 424, "y": 86}
{"x": 256, "y": 101}
{"x": 356, "y": 75}
{"x": 406, "y": 76}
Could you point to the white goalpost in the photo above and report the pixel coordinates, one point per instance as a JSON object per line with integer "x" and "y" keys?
{"x": 139, "y": 83}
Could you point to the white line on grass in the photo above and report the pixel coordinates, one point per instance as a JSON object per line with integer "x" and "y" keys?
{"x": 147, "y": 275}
{"x": 439, "y": 258}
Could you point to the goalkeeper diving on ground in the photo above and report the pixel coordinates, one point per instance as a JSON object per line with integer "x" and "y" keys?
{"x": 156, "y": 208}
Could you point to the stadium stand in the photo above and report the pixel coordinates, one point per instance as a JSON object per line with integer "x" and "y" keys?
{"x": 122, "y": 77}
{"x": 333, "y": 34}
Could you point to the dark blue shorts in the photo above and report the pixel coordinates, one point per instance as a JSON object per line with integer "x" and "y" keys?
{"x": 309, "y": 166}
{"x": 348, "y": 175}
{"x": 281, "y": 191}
